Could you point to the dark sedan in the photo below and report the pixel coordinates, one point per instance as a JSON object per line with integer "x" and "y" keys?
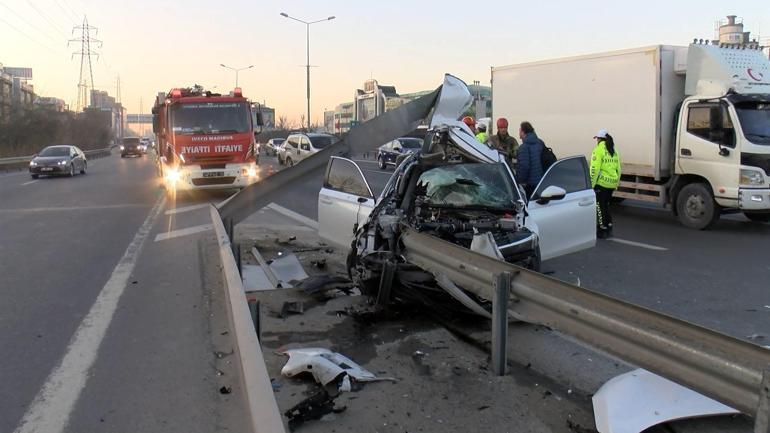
{"x": 130, "y": 146}
{"x": 388, "y": 153}
{"x": 63, "y": 159}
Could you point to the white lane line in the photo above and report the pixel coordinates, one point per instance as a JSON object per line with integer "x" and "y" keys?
{"x": 186, "y": 208}
{"x": 51, "y": 409}
{"x": 183, "y": 232}
{"x": 387, "y": 173}
{"x": 638, "y": 244}
{"x": 302, "y": 219}
{"x": 30, "y": 182}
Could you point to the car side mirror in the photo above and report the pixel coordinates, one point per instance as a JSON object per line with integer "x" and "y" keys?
{"x": 397, "y": 149}
{"x": 260, "y": 121}
{"x": 553, "y": 192}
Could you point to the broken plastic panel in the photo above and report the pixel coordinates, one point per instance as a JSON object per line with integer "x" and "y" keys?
{"x": 325, "y": 365}
{"x": 637, "y": 400}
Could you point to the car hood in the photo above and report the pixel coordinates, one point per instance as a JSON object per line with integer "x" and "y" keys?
{"x": 50, "y": 159}
{"x": 453, "y": 100}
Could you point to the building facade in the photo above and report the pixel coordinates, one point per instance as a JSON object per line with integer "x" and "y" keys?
{"x": 112, "y": 111}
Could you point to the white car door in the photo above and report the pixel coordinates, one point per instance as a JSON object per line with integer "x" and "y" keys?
{"x": 344, "y": 200}
{"x": 567, "y": 224}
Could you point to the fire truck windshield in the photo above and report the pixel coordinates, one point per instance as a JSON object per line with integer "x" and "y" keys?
{"x": 210, "y": 118}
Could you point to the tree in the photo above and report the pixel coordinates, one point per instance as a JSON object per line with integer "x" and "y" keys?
{"x": 283, "y": 123}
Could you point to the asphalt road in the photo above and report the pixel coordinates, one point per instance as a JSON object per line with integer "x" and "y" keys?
{"x": 103, "y": 327}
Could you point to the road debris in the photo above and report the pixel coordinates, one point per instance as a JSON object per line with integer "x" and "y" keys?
{"x": 292, "y": 307}
{"x": 287, "y": 268}
{"x": 325, "y": 366}
{"x": 324, "y": 282}
{"x": 314, "y": 407}
{"x": 225, "y": 390}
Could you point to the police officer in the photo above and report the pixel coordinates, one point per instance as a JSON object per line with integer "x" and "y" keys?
{"x": 605, "y": 178}
{"x": 481, "y": 135}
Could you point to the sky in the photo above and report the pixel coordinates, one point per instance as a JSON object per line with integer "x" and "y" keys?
{"x": 155, "y": 45}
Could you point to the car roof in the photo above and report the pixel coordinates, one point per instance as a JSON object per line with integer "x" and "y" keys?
{"x": 59, "y": 145}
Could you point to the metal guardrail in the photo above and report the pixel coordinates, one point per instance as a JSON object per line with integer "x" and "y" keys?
{"x": 722, "y": 367}
{"x": 25, "y": 159}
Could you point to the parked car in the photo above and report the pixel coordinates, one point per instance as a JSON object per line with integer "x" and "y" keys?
{"x": 388, "y": 153}
{"x": 64, "y": 159}
{"x": 299, "y": 146}
{"x": 461, "y": 191}
{"x": 272, "y": 146}
{"x": 130, "y": 146}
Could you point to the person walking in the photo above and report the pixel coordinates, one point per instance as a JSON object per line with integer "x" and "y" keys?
{"x": 504, "y": 142}
{"x": 529, "y": 167}
{"x": 605, "y": 178}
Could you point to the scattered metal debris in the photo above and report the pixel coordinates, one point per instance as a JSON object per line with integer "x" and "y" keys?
{"x": 637, "y": 400}
{"x": 314, "y": 407}
{"x": 289, "y": 308}
{"x": 225, "y": 390}
{"x": 287, "y": 268}
{"x": 320, "y": 283}
{"x": 325, "y": 365}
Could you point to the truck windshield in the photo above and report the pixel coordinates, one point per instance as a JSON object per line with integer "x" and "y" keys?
{"x": 211, "y": 118}
{"x": 755, "y": 121}
{"x": 469, "y": 185}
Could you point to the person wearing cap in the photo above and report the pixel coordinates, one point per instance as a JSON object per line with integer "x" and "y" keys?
{"x": 504, "y": 142}
{"x": 470, "y": 123}
{"x": 605, "y": 178}
{"x": 481, "y": 135}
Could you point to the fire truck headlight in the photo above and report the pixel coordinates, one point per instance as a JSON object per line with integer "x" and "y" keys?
{"x": 251, "y": 172}
{"x": 172, "y": 175}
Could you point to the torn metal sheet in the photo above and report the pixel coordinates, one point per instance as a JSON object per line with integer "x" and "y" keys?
{"x": 288, "y": 268}
{"x": 484, "y": 243}
{"x": 637, "y": 400}
{"x": 445, "y": 283}
{"x": 254, "y": 279}
{"x": 325, "y": 365}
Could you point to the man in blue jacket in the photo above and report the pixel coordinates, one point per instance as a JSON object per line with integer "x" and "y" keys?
{"x": 529, "y": 168}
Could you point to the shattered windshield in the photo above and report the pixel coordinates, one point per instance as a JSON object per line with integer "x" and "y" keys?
{"x": 468, "y": 185}
{"x": 755, "y": 121}
{"x": 211, "y": 118}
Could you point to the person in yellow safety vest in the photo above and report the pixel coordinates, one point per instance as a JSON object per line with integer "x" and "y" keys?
{"x": 605, "y": 178}
{"x": 481, "y": 135}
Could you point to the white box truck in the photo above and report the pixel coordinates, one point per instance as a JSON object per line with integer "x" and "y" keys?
{"x": 691, "y": 124}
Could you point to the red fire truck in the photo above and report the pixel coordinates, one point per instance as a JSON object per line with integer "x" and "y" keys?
{"x": 205, "y": 140}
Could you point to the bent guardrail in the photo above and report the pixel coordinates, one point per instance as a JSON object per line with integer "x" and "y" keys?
{"x": 722, "y": 367}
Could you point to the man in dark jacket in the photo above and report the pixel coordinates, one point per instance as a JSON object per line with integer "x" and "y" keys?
{"x": 503, "y": 141}
{"x": 529, "y": 168}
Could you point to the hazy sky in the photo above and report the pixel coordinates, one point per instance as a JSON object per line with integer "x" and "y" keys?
{"x": 159, "y": 44}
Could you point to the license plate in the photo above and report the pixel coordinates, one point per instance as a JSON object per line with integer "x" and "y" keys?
{"x": 47, "y": 169}
{"x": 213, "y": 173}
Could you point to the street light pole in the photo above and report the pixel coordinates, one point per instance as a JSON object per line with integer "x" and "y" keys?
{"x": 236, "y": 71}
{"x": 307, "y": 65}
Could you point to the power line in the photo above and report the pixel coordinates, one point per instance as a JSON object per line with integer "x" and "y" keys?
{"x": 85, "y": 57}
{"x": 66, "y": 13}
{"x": 27, "y": 36}
{"x": 38, "y": 29}
{"x": 45, "y": 17}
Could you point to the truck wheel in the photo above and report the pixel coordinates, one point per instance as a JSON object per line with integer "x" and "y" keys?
{"x": 696, "y": 207}
{"x": 758, "y": 217}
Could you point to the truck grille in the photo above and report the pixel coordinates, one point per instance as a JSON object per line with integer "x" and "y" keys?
{"x": 220, "y": 159}
{"x": 205, "y": 181}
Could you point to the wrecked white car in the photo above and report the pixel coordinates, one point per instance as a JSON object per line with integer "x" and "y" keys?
{"x": 459, "y": 190}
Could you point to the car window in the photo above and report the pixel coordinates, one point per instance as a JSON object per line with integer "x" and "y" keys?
{"x": 304, "y": 144}
{"x": 703, "y": 121}
{"x": 409, "y": 143}
{"x": 570, "y": 174}
{"x": 321, "y": 141}
{"x": 344, "y": 176}
{"x": 54, "y": 151}
{"x": 293, "y": 142}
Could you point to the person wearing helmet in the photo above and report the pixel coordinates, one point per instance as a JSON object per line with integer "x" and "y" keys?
{"x": 470, "y": 123}
{"x": 481, "y": 135}
{"x": 504, "y": 142}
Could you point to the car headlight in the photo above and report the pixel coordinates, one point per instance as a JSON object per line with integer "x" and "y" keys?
{"x": 32, "y": 163}
{"x": 751, "y": 177}
{"x": 122, "y": 147}
{"x": 62, "y": 162}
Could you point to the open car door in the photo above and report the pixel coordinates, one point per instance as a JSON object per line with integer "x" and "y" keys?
{"x": 344, "y": 200}
{"x": 563, "y": 206}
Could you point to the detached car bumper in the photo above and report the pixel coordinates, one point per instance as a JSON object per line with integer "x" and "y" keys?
{"x": 754, "y": 199}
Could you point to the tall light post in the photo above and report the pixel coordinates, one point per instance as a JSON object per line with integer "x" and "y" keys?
{"x": 307, "y": 66}
{"x": 236, "y": 71}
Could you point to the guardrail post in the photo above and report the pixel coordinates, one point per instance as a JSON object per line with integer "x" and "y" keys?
{"x": 500, "y": 294}
{"x": 762, "y": 417}
{"x": 386, "y": 282}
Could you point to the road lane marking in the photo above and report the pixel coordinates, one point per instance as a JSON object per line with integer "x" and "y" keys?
{"x": 71, "y": 208}
{"x": 51, "y": 409}
{"x": 638, "y": 244}
{"x": 302, "y": 219}
{"x": 368, "y": 161}
{"x": 387, "y": 173}
{"x": 186, "y": 208}
{"x": 183, "y": 232}
{"x": 30, "y": 182}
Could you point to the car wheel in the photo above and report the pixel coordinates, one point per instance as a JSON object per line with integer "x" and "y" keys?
{"x": 83, "y": 170}
{"x": 696, "y": 207}
{"x": 35, "y": 176}
{"x": 757, "y": 217}
{"x": 289, "y": 162}
{"x": 72, "y": 170}
{"x": 381, "y": 163}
